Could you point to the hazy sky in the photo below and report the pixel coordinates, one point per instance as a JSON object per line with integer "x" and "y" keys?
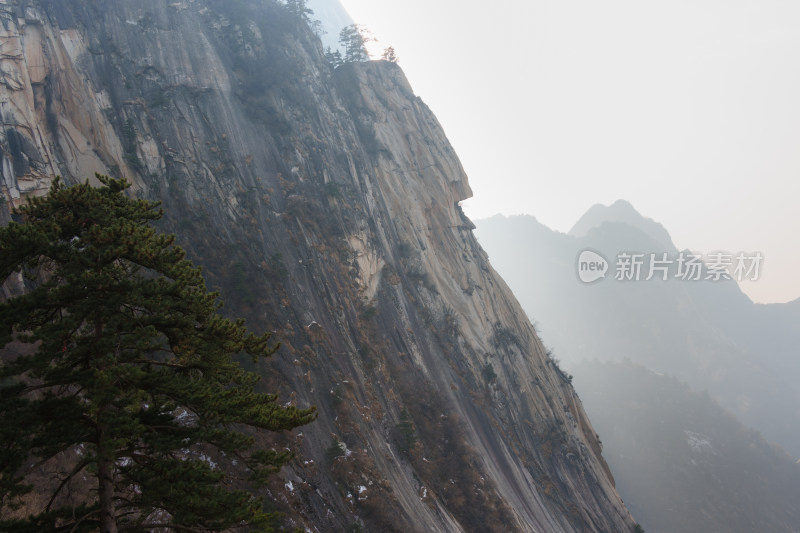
{"x": 688, "y": 109}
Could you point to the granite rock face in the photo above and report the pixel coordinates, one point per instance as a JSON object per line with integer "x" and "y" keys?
{"x": 324, "y": 206}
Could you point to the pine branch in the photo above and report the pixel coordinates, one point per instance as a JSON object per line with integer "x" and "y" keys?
{"x": 75, "y": 471}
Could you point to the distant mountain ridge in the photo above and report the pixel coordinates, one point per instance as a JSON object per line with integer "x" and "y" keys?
{"x": 621, "y": 211}
{"x": 707, "y": 333}
{"x": 681, "y": 462}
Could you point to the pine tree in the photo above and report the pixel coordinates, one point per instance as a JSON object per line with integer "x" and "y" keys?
{"x": 354, "y": 39}
{"x": 389, "y": 55}
{"x": 300, "y": 9}
{"x": 334, "y": 58}
{"x": 124, "y": 375}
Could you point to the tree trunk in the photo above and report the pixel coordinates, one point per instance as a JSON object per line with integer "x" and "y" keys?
{"x": 105, "y": 478}
{"x": 105, "y": 462}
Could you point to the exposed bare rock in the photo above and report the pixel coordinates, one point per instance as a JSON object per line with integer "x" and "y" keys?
{"x": 324, "y": 205}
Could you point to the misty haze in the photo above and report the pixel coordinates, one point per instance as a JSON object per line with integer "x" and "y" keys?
{"x": 360, "y": 266}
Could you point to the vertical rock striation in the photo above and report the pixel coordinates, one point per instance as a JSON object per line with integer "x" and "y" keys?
{"x": 324, "y": 205}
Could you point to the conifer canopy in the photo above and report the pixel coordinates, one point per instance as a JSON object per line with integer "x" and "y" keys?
{"x": 123, "y": 406}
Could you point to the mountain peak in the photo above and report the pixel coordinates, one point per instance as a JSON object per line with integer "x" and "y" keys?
{"x": 621, "y": 211}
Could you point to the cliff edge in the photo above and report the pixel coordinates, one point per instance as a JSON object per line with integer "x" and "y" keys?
{"x": 324, "y": 205}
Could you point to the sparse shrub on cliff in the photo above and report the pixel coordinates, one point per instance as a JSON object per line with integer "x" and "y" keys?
{"x": 130, "y": 144}
{"x": 333, "y": 451}
{"x": 420, "y": 277}
{"x": 449, "y": 326}
{"x": 277, "y": 266}
{"x": 369, "y": 312}
{"x": 405, "y": 250}
{"x": 504, "y": 338}
{"x": 556, "y": 364}
{"x": 337, "y": 396}
{"x": 405, "y": 434}
{"x": 488, "y": 373}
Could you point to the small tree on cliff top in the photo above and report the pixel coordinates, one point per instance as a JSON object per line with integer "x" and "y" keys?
{"x": 124, "y": 378}
{"x": 300, "y": 9}
{"x": 354, "y": 39}
{"x": 389, "y": 55}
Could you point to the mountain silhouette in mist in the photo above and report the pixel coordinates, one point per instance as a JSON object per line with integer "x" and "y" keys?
{"x": 622, "y": 211}
{"x": 707, "y": 334}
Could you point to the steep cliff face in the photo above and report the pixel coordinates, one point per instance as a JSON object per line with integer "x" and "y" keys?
{"x": 324, "y": 205}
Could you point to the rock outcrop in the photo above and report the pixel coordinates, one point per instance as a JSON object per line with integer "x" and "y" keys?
{"x": 324, "y": 205}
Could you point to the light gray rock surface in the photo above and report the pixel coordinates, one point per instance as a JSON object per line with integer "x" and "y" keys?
{"x": 324, "y": 206}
